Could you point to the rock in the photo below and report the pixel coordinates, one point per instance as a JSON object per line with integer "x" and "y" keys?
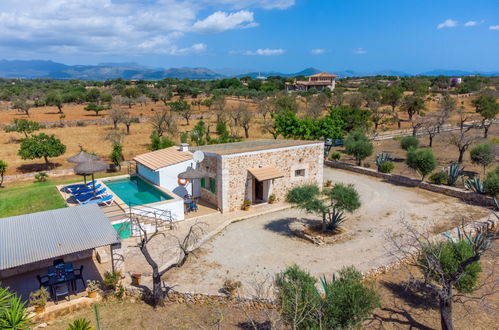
{"x": 42, "y": 325}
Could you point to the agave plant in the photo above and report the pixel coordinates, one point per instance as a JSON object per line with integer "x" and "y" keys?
{"x": 80, "y": 324}
{"x": 382, "y": 158}
{"x": 14, "y": 315}
{"x": 454, "y": 171}
{"x": 474, "y": 184}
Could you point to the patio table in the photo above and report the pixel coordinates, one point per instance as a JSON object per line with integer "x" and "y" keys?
{"x": 61, "y": 274}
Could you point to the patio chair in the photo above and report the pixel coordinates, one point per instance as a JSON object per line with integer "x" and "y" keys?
{"x": 57, "y": 262}
{"x": 61, "y": 290}
{"x": 106, "y": 200}
{"x": 79, "y": 186}
{"x": 85, "y": 190}
{"x": 78, "y": 273}
{"x": 86, "y": 197}
{"x": 43, "y": 281}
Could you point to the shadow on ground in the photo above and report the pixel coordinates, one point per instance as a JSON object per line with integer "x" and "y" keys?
{"x": 27, "y": 168}
{"x": 284, "y": 226}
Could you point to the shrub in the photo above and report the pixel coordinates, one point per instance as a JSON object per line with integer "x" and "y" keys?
{"x": 158, "y": 142}
{"x": 474, "y": 184}
{"x": 491, "y": 183}
{"x": 381, "y": 158}
{"x": 230, "y": 287}
{"x": 335, "y": 155}
{"x": 386, "y": 167}
{"x": 111, "y": 279}
{"x": 272, "y": 198}
{"x": 3, "y": 169}
{"x": 483, "y": 155}
{"x": 421, "y": 160}
{"x": 117, "y": 154}
{"x": 454, "y": 172}
{"x": 440, "y": 177}
{"x": 80, "y": 324}
{"x": 358, "y": 145}
{"x": 93, "y": 286}
{"x": 408, "y": 142}
{"x": 39, "y": 297}
{"x": 41, "y": 177}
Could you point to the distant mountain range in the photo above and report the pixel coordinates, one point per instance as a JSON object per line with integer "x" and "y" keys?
{"x": 30, "y": 69}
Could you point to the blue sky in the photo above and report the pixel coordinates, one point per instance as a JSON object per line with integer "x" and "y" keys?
{"x": 279, "y": 35}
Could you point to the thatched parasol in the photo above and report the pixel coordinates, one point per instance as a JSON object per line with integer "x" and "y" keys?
{"x": 91, "y": 167}
{"x": 83, "y": 157}
{"x": 191, "y": 174}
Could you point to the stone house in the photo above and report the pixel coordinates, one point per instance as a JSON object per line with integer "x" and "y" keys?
{"x": 254, "y": 170}
{"x": 318, "y": 81}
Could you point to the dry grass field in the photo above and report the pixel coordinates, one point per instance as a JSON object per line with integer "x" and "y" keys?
{"x": 93, "y": 137}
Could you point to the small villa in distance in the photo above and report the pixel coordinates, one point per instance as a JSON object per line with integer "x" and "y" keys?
{"x": 319, "y": 81}
{"x": 234, "y": 172}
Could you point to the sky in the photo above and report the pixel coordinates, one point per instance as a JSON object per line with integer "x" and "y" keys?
{"x": 263, "y": 35}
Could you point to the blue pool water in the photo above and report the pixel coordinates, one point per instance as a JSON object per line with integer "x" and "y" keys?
{"x": 136, "y": 191}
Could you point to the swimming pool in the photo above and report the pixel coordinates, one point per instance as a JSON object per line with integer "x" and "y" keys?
{"x": 136, "y": 191}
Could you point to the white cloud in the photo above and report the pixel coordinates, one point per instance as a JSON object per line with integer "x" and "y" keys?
{"x": 359, "y": 51}
{"x": 494, "y": 27}
{"x": 448, "y": 23}
{"x": 471, "y": 23}
{"x": 318, "y": 51}
{"x": 260, "y": 52}
{"x": 221, "y": 21}
{"x": 125, "y": 27}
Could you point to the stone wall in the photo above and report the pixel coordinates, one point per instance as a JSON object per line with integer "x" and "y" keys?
{"x": 237, "y": 181}
{"x": 465, "y": 195}
{"x": 210, "y": 166}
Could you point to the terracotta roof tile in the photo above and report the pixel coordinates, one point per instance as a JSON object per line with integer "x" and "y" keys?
{"x": 324, "y": 74}
{"x": 266, "y": 173}
{"x": 164, "y": 157}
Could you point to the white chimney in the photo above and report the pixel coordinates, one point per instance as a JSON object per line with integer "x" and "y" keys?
{"x": 184, "y": 147}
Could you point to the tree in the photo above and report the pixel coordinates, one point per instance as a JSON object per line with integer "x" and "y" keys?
{"x": 482, "y": 154}
{"x": 338, "y": 97}
{"x": 285, "y": 102}
{"x": 159, "y": 142}
{"x": 408, "y": 142}
{"x": 130, "y": 95}
{"x": 55, "y": 100}
{"x": 117, "y": 115}
{"x": 183, "y": 108}
{"x": 462, "y": 141}
{"x": 23, "y": 106}
{"x": 117, "y": 155}
{"x": 491, "y": 183}
{"x": 95, "y": 108}
{"x": 358, "y": 145}
{"x": 164, "y": 122}
{"x": 347, "y": 299}
{"x": 23, "y": 126}
{"x": 431, "y": 126}
{"x": 245, "y": 121}
{"x": 488, "y": 107}
{"x": 379, "y": 116}
{"x": 330, "y": 204}
{"x": 3, "y": 169}
{"x": 449, "y": 269}
{"x": 392, "y": 96}
{"x": 269, "y": 126}
{"x": 412, "y": 104}
{"x": 199, "y": 133}
{"x": 41, "y": 146}
{"x": 422, "y": 161}
{"x": 353, "y": 118}
{"x": 128, "y": 120}
{"x": 447, "y": 103}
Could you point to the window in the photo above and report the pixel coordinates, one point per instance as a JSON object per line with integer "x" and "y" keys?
{"x": 203, "y": 183}
{"x": 300, "y": 172}
{"x": 213, "y": 185}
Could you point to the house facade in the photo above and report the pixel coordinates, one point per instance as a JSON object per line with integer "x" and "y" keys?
{"x": 254, "y": 170}
{"x": 318, "y": 81}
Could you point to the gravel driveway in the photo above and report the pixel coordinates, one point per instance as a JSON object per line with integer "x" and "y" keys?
{"x": 255, "y": 249}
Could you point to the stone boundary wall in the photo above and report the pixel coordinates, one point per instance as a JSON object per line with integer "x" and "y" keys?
{"x": 467, "y": 196}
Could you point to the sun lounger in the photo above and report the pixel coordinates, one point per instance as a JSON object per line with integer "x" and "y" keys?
{"x": 79, "y": 186}
{"x": 106, "y": 200}
{"x": 85, "y": 197}
{"x": 85, "y": 190}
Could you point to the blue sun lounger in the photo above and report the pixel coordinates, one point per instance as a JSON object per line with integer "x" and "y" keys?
{"x": 106, "y": 200}
{"x": 79, "y": 186}
{"x": 86, "y": 190}
{"x": 85, "y": 197}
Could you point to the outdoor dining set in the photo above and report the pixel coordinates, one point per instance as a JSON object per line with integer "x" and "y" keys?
{"x": 190, "y": 204}
{"x": 61, "y": 279}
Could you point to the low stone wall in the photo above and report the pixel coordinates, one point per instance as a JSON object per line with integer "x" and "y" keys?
{"x": 467, "y": 196}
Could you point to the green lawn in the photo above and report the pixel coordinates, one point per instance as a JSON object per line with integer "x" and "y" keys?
{"x": 30, "y": 197}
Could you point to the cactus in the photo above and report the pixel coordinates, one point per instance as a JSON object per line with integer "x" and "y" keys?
{"x": 474, "y": 184}
{"x": 382, "y": 158}
{"x": 454, "y": 171}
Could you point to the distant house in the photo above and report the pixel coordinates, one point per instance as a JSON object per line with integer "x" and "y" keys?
{"x": 319, "y": 81}
{"x": 454, "y": 81}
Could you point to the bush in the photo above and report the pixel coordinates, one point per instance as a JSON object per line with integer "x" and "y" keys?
{"x": 111, "y": 279}
{"x": 483, "y": 155}
{"x": 386, "y": 167}
{"x": 39, "y": 297}
{"x": 422, "y": 161}
{"x": 358, "y": 145}
{"x": 158, "y": 142}
{"x": 3, "y": 169}
{"x": 439, "y": 178}
{"x": 335, "y": 155}
{"x": 408, "y": 142}
{"x": 41, "y": 177}
{"x": 491, "y": 183}
{"x": 80, "y": 324}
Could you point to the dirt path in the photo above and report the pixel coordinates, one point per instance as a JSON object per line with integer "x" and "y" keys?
{"x": 253, "y": 250}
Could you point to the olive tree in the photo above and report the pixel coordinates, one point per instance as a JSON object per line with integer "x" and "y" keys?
{"x": 483, "y": 155}
{"x": 331, "y": 204}
{"x": 23, "y": 126}
{"x": 488, "y": 107}
{"x": 3, "y": 169}
{"x": 183, "y": 108}
{"x": 358, "y": 145}
{"x": 41, "y": 146}
{"x": 422, "y": 161}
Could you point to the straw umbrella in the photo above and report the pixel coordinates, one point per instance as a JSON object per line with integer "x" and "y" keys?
{"x": 90, "y": 168}
{"x": 82, "y": 157}
{"x": 191, "y": 174}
